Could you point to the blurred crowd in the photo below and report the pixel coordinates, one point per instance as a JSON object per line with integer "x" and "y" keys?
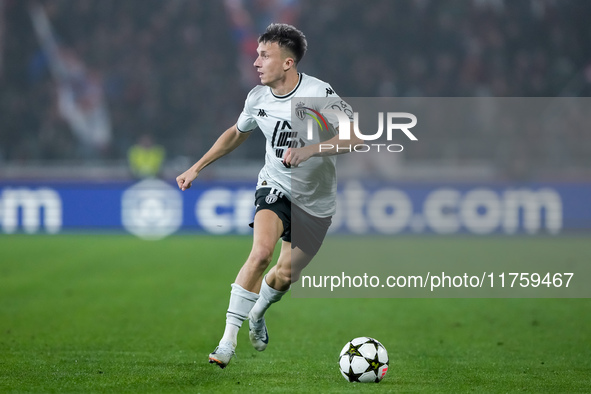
{"x": 169, "y": 69}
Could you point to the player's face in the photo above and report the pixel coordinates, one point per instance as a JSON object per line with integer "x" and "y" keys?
{"x": 270, "y": 63}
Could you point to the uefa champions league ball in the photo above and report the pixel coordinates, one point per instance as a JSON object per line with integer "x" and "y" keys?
{"x": 363, "y": 360}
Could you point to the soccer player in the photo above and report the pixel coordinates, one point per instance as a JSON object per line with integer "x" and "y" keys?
{"x": 289, "y": 161}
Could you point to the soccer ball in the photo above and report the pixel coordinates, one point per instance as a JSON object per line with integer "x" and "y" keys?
{"x": 364, "y": 360}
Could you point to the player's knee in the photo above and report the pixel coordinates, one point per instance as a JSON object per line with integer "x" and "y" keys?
{"x": 261, "y": 257}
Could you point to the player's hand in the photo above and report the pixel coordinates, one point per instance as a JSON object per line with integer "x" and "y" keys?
{"x": 185, "y": 180}
{"x": 295, "y": 156}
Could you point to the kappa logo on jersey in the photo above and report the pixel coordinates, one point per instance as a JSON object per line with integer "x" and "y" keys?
{"x": 262, "y": 113}
{"x": 329, "y": 91}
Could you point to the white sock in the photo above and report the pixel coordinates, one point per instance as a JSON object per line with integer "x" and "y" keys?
{"x": 241, "y": 302}
{"x": 268, "y": 296}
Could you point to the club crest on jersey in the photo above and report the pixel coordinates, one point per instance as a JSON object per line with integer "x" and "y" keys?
{"x": 300, "y": 110}
{"x": 271, "y": 198}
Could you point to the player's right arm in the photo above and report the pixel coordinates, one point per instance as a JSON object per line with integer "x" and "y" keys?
{"x": 225, "y": 144}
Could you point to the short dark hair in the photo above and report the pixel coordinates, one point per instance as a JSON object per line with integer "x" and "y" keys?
{"x": 288, "y": 37}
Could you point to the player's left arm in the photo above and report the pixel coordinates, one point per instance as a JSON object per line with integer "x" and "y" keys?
{"x": 333, "y": 146}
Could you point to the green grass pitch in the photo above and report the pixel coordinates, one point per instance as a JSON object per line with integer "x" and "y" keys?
{"x": 108, "y": 313}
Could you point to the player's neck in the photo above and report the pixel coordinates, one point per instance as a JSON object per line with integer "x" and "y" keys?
{"x": 287, "y": 84}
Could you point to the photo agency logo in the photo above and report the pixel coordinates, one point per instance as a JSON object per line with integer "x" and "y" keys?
{"x": 343, "y": 114}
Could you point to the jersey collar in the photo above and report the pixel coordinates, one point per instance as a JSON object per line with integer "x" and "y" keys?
{"x": 300, "y": 77}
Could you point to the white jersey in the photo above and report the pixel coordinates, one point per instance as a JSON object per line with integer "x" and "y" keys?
{"x": 312, "y": 185}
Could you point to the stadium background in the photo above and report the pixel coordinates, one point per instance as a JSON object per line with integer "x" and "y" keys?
{"x": 90, "y": 308}
{"x": 178, "y": 72}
